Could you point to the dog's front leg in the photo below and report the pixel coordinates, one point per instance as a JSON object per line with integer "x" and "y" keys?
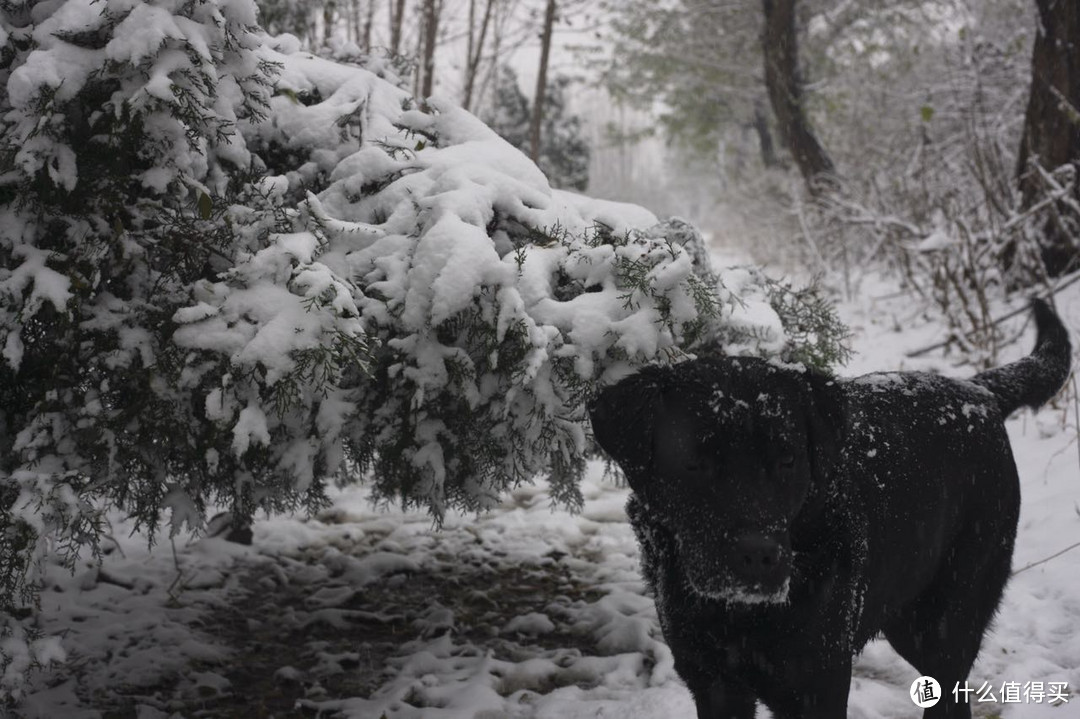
{"x": 828, "y": 701}
{"x": 820, "y": 693}
{"x": 723, "y": 699}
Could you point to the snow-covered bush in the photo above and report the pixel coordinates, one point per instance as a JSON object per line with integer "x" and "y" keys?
{"x": 233, "y": 272}
{"x": 494, "y": 302}
{"x": 121, "y": 166}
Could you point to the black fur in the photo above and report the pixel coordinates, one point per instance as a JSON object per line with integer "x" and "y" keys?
{"x": 1032, "y": 381}
{"x": 786, "y": 518}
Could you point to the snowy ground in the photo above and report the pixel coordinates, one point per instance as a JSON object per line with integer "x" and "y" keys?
{"x": 526, "y": 612}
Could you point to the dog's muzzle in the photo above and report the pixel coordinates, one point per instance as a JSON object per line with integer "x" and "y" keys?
{"x": 759, "y": 560}
{"x": 754, "y": 568}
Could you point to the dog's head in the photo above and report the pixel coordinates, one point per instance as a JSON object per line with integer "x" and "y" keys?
{"x": 726, "y": 454}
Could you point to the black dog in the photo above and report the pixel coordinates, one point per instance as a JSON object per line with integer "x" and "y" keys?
{"x": 786, "y": 518}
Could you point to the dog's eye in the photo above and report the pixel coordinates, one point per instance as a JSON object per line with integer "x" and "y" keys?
{"x": 787, "y": 461}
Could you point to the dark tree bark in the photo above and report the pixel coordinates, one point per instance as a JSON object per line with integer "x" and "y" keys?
{"x": 765, "y": 138}
{"x": 369, "y": 20}
{"x": 1051, "y": 135}
{"x": 475, "y": 49}
{"x": 541, "y": 82}
{"x": 431, "y": 35}
{"x": 397, "y": 12}
{"x": 328, "y": 14}
{"x": 781, "y": 50}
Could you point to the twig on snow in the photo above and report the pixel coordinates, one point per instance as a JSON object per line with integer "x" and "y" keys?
{"x": 1044, "y": 560}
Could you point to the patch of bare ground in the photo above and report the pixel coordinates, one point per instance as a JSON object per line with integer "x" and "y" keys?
{"x": 284, "y": 647}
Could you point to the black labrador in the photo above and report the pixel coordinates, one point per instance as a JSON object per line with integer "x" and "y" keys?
{"x": 785, "y": 518}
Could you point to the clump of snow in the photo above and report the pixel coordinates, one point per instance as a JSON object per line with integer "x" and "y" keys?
{"x": 738, "y": 595}
{"x": 533, "y": 623}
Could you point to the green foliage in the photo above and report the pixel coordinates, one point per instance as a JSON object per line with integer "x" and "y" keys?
{"x": 700, "y": 63}
{"x": 505, "y": 401}
{"x": 815, "y": 334}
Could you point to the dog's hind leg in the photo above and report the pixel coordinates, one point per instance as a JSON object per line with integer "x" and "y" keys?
{"x": 941, "y": 632}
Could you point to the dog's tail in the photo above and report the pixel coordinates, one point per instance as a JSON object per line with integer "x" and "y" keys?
{"x": 1036, "y": 378}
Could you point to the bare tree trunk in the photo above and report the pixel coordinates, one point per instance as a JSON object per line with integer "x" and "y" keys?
{"x": 1051, "y": 134}
{"x": 476, "y": 50}
{"x": 765, "y": 138}
{"x": 498, "y": 26}
{"x": 431, "y": 34}
{"x": 471, "y": 38}
{"x": 369, "y": 20}
{"x": 397, "y": 12}
{"x": 541, "y": 82}
{"x": 353, "y": 23}
{"x": 781, "y": 50}
{"x": 328, "y": 20}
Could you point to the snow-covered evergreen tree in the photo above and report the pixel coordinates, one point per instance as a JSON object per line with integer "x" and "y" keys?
{"x": 128, "y": 203}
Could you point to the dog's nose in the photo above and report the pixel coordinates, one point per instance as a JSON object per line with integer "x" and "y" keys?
{"x": 757, "y": 558}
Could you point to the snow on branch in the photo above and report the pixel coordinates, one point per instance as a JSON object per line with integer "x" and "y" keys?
{"x": 495, "y": 304}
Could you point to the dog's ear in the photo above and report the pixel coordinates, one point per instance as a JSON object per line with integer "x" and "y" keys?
{"x": 624, "y": 419}
{"x": 827, "y": 420}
